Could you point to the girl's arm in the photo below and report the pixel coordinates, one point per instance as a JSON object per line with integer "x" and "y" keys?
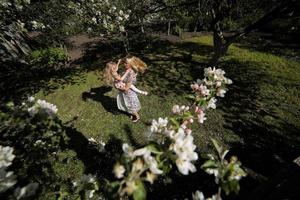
{"x": 124, "y": 75}
{"x": 137, "y": 90}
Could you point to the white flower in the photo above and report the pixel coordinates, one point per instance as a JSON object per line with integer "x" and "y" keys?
{"x": 184, "y": 148}
{"x": 121, "y": 28}
{"x": 49, "y": 108}
{"x": 158, "y": 126}
{"x": 92, "y": 140}
{"x": 128, "y": 151}
{"x": 215, "y": 171}
{"x": 130, "y": 187}
{"x": 126, "y": 16}
{"x": 203, "y": 90}
{"x": 94, "y": 20}
{"x": 184, "y": 166}
{"x": 201, "y": 117}
{"x": 119, "y": 18}
{"x": 198, "y": 196}
{"x": 150, "y": 177}
{"x": 227, "y": 81}
{"x": 138, "y": 165}
{"x": 87, "y": 178}
{"x": 176, "y": 109}
{"x": 218, "y": 84}
{"x": 221, "y": 92}
{"x": 119, "y": 170}
{"x": 212, "y": 103}
{"x": 149, "y": 160}
{"x": 32, "y": 111}
{"x": 195, "y": 86}
{"x": 207, "y": 82}
{"x": 7, "y": 180}
{"x": 90, "y": 193}
{"x": 31, "y": 99}
{"x": 26, "y": 191}
{"x": 6, "y": 156}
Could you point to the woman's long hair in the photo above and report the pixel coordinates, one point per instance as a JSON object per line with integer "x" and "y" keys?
{"x": 137, "y": 64}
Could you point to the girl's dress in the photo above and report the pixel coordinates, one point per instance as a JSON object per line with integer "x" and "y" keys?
{"x": 128, "y": 101}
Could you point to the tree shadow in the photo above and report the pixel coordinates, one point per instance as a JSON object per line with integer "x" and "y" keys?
{"x": 269, "y": 43}
{"x": 19, "y": 81}
{"x": 264, "y": 148}
{"x": 95, "y": 161}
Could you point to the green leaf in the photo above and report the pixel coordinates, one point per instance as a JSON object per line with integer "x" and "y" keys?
{"x": 175, "y": 122}
{"x": 114, "y": 184}
{"x": 140, "y": 193}
{"x": 217, "y": 146}
{"x": 190, "y": 96}
{"x": 153, "y": 149}
{"x": 209, "y": 164}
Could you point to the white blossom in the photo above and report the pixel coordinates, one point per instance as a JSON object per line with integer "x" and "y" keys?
{"x": 221, "y": 92}
{"x": 176, "y": 109}
{"x": 184, "y": 148}
{"x": 7, "y": 180}
{"x": 198, "y": 196}
{"x": 149, "y": 160}
{"x": 212, "y": 103}
{"x": 26, "y": 191}
{"x": 6, "y": 156}
{"x": 159, "y": 125}
{"x": 31, "y": 99}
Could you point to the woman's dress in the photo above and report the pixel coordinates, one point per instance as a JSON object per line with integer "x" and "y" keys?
{"x": 128, "y": 100}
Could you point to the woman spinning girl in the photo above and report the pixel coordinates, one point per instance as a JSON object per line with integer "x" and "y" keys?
{"x": 127, "y": 99}
{"x": 111, "y": 76}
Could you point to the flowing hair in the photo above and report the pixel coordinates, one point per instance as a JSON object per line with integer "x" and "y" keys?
{"x": 137, "y": 64}
{"x": 107, "y": 75}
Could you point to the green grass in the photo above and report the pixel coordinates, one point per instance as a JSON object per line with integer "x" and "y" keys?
{"x": 258, "y": 119}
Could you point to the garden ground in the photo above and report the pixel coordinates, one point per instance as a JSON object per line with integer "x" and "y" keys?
{"x": 258, "y": 120}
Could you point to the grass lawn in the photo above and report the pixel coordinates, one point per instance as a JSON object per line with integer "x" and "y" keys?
{"x": 258, "y": 119}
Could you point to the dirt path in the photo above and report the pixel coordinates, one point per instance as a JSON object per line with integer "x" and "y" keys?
{"x": 78, "y": 44}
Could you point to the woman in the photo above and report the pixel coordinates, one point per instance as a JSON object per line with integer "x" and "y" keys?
{"x": 127, "y": 99}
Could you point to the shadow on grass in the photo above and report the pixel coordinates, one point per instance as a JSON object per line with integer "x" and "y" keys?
{"x": 264, "y": 148}
{"x": 270, "y": 43}
{"x": 98, "y": 94}
{"x": 20, "y": 80}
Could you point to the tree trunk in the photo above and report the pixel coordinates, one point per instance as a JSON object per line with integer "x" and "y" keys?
{"x": 169, "y": 27}
{"x": 220, "y": 45}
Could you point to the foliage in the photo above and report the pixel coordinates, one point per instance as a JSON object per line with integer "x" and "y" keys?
{"x": 51, "y": 56}
{"x": 36, "y": 135}
{"x": 8, "y": 179}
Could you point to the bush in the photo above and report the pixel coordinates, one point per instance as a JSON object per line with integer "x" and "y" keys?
{"x": 51, "y": 57}
{"x": 36, "y": 134}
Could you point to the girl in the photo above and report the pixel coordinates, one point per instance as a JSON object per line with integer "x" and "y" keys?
{"x": 127, "y": 98}
{"x": 111, "y": 76}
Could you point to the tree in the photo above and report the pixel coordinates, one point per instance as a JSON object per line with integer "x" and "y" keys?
{"x": 263, "y": 13}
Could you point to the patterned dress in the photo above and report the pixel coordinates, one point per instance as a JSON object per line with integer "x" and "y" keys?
{"x": 128, "y": 101}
